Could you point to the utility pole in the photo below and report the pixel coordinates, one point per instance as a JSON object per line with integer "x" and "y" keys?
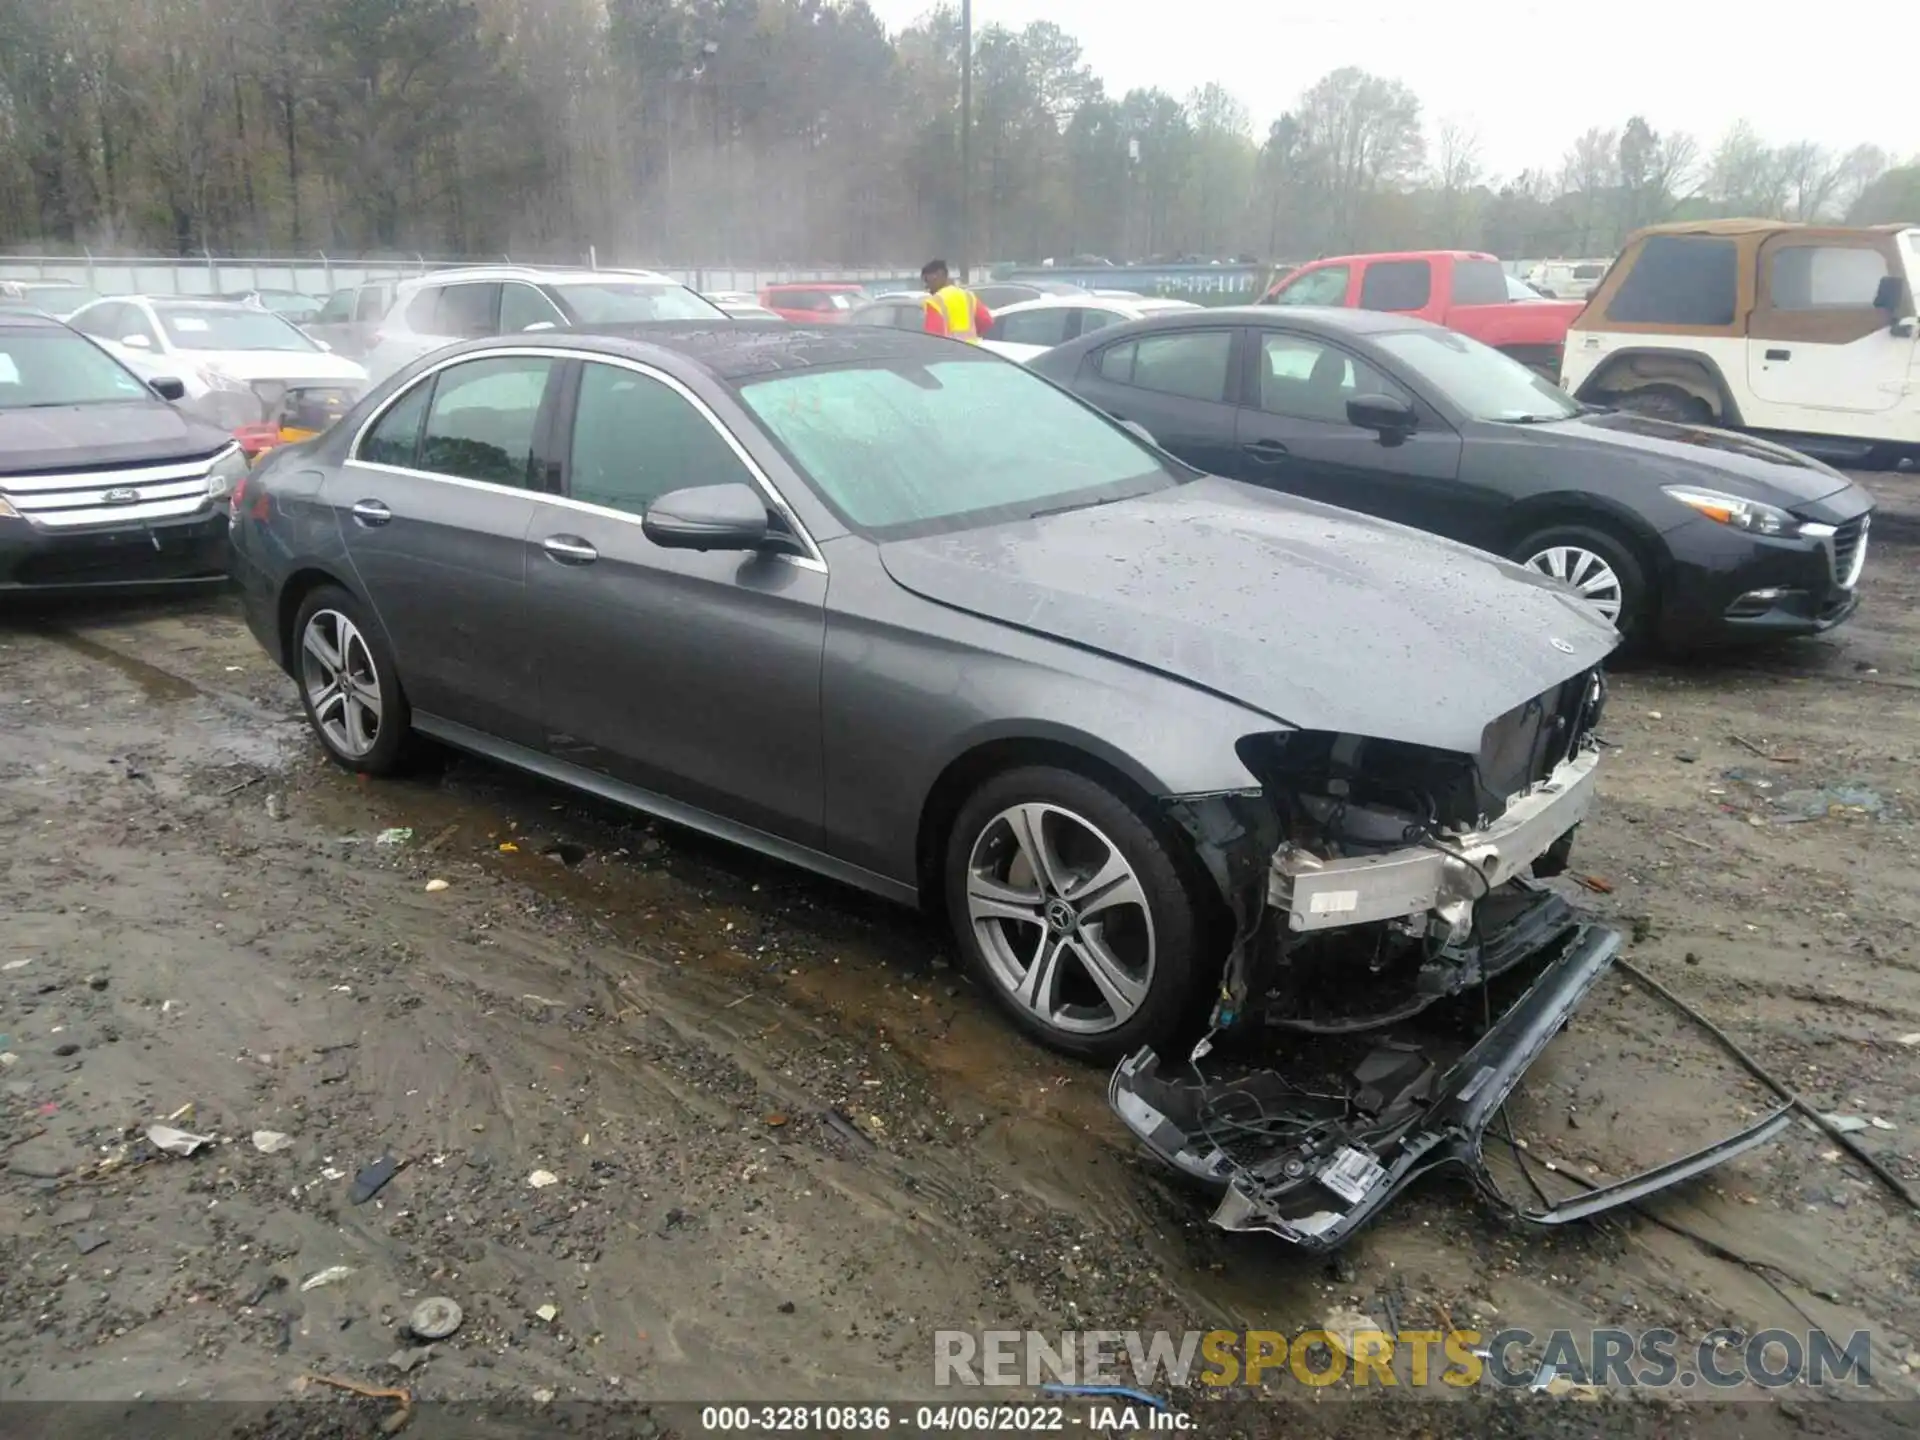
{"x": 966, "y": 139}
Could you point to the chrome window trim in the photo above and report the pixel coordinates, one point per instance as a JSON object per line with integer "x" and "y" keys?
{"x": 812, "y": 560}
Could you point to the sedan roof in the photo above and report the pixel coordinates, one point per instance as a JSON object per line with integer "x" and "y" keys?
{"x": 734, "y": 350}
{"x": 1325, "y": 320}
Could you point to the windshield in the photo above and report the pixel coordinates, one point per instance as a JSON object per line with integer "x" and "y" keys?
{"x": 229, "y": 329}
{"x": 627, "y": 302}
{"x": 1479, "y": 380}
{"x": 43, "y": 367}
{"x": 60, "y": 300}
{"x": 1518, "y": 289}
{"x": 913, "y": 449}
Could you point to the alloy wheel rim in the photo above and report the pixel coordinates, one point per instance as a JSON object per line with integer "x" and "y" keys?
{"x": 1061, "y": 918}
{"x": 1591, "y": 577}
{"x": 341, "y": 682}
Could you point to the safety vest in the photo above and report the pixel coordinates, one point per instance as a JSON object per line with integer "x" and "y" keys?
{"x": 955, "y": 308}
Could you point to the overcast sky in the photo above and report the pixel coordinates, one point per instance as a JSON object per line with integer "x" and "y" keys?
{"x": 1528, "y": 77}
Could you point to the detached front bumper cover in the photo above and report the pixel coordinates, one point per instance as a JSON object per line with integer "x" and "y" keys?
{"x": 1314, "y": 1169}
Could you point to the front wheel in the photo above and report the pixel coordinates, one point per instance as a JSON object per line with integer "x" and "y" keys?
{"x": 349, "y": 685}
{"x": 1070, "y": 909}
{"x": 1599, "y": 568}
{"x": 1666, "y": 402}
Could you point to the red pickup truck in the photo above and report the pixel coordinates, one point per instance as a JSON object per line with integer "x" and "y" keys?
{"x": 1461, "y": 289}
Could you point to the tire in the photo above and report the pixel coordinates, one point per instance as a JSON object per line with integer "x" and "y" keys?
{"x": 1101, "y": 954}
{"x": 1558, "y": 551}
{"x": 1667, "y": 402}
{"x": 341, "y": 721}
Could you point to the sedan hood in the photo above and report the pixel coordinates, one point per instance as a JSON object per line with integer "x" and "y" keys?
{"x": 73, "y": 437}
{"x": 1323, "y": 619}
{"x": 1670, "y": 454}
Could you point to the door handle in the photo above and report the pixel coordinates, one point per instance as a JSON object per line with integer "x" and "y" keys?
{"x": 371, "y": 512}
{"x": 569, "y": 550}
{"x": 1779, "y": 354}
{"x": 1267, "y": 452}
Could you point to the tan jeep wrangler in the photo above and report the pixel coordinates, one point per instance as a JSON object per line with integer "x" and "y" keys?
{"x": 1802, "y": 332}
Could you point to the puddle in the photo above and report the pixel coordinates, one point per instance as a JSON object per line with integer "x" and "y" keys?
{"x": 154, "y": 683}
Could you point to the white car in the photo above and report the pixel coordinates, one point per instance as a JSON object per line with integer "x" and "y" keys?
{"x": 452, "y": 305}
{"x": 242, "y": 366}
{"x": 1033, "y": 327}
{"x": 1566, "y": 279}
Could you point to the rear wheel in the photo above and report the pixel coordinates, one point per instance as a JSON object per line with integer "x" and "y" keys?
{"x": 1071, "y": 910}
{"x": 1597, "y": 566}
{"x": 349, "y": 685}
{"x": 1667, "y": 402}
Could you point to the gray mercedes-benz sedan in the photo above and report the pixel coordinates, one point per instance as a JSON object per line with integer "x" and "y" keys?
{"x": 907, "y": 615}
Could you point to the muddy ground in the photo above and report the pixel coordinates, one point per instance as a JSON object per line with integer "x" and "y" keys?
{"x": 786, "y": 1140}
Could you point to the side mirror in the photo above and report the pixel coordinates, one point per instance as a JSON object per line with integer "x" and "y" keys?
{"x": 136, "y": 342}
{"x": 168, "y": 388}
{"x": 321, "y": 343}
{"x": 1388, "y": 415}
{"x": 709, "y": 517}
{"x": 1140, "y": 432}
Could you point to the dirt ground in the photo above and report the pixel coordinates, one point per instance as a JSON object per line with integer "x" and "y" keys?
{"x": 782, "y": 1140}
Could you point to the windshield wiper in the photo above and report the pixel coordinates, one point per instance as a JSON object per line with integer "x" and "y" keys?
{"x": 1068, "y": 509}
{"x": 1532, "y": 419}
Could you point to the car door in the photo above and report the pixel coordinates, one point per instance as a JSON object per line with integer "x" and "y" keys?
{"x": 1294, "y": 435}
{"x": 1176, "y": 383}
{"x": 694, "y": 675}
{"x": 434, "y": 505}
{"x": 1816, "y": 343}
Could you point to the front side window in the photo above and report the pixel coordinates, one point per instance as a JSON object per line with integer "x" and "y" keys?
{"x": 1191, "y": 363}
{"x": 41, "y": 368}
{"x": 1046, "y": 326}
{"x": 1325, "y": 286}
{"x": 484, "y": 417}
{"x": 911, "y": 449}
{"x": 636, "y": 439}
{"x": 241, "y": 328}
{"x": 1679, "y": 280}
{"x": 395, "y": 436}
{"x": 464, "y": 312}
{"x": 1396, "y": 285}
{"x": 632, "y": 302}
{"x": 522, "y": 307}
{"x": 1825, "y": 277}
{"x": 1306, "y": 380}
{"x": 1477, "y": 379}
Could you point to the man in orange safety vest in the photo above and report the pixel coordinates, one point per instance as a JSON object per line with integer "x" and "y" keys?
{"x": 952, "y": 311}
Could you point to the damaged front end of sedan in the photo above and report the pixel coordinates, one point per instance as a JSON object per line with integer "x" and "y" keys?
{"x": 1369, "y": 879}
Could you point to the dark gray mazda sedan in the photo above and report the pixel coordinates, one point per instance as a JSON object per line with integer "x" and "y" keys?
{"x": 907, "y": 615}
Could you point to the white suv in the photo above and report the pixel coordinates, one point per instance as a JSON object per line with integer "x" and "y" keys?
{"x": 465, "y": 304}
{"x": 1805, "y": 332}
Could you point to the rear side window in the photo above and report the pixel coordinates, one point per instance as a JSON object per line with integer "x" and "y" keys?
{"x": 483, "y": 420}
{"x": 1192, "y": 364}
{"x": 395, "y": 437}
{"x": 1396, "y": 285}
{"x": 373, "y": 302}
{"x": 1824, "y": 277}
{"x": 465, "y": 311}
{"x": 1479, "y": 282}
{"x": 1679, "y": 280}
{"x": 1588, "y": 272}
{"x": 337, "y": 310}
{"x": 1033, "y": 327}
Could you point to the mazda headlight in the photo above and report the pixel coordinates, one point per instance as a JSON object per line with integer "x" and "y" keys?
{"x": 1742, "y": 514}
{"x": 228, "y": 468}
